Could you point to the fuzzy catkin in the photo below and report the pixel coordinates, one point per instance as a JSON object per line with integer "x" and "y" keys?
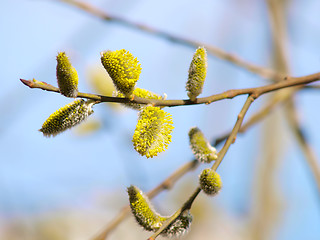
{"x": 142, "y": 210}
{"x": 200, "y": 146}
{"x": 123, "y": 68}
{"x": 67, "y": 76}
{"x": 210, "y": 181}
{"x": 150, "y": 220}
{"x": 153, "y": 131}
{"x": 67, "y": 117}
{"x": 197, "y": 73}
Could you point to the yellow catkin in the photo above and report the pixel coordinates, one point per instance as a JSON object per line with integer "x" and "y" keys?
{"x": 201, "y": 147}
{"x": 150, "y": 220}
{"x": 197, "y": 73}
{"x": 123, "y": 68}
{"x": 210, "y": 181}
{"x": 142, "y": 210}
{"x": 67, "y": 76}
{"x": 66, "y": 117}
{"x": 153, "y": 131}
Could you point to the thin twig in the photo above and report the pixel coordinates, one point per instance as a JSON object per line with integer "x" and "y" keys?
{"x": 231, "y": 139}
{"x": 289, "y": 82}
{"x": 215, "y": 51}
{"x": 166, "y": 184}
{"x": 186, "y": 206}
{"x": 261, "y": 113}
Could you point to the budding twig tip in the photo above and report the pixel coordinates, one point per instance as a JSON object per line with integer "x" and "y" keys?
{"x": 26, "y": 82}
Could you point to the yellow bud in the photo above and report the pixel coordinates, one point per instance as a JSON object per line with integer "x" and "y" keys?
{"x": 143, "y": 211}
{"x": 123, "y": 69}
{"x": 66, "y": 117}
{"x": 210, "y": 181}
{"x": 201, "y": 147}
{"x": 197, "y": 73}
{"x": 153, "y": 131}
{"x": 67, "y": 76}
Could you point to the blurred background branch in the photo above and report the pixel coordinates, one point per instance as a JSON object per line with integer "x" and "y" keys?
{"x": 277, "y": 10}
{"x": 214, "y": 51}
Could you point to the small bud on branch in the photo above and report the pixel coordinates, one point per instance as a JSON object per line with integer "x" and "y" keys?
{"x": 210, "y": 181}
{"x": 201, "y": 147}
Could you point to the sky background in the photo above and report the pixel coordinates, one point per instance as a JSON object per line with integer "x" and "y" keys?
{"x": 39, "y": 174}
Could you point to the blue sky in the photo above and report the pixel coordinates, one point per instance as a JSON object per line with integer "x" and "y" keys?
{"x": 39, "y": 174}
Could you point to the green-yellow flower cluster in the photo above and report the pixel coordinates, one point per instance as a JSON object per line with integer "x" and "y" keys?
{"x": 210, "y": 181}
{"x": 143, "y": 211}
{"x": 153, "y": 131}
{"x": 150, "y": 220}
{"x": 197, "y": 73}
{"x": 201, "y": 147}
{"x": 67, "y": 76}
{"x": 67, "y": 117}
{"x": 123, "y": 69}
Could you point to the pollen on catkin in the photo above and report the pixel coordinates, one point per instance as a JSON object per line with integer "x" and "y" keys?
{"x": 153, "y": 131}
{"x": 197, "y": 73}
{"x": 143, "y": 211}
{"x": 67, "y": 76}
{"x": 210, "y": 181}
{"x": 123, "y": 68}
{"x": 67, "y": 117}
{"x": 200, "y": 146}
{"x": 142, "y": 93}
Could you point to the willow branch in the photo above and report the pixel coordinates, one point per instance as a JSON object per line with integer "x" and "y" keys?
{"x": 166, "y": 184}
{"x": 215, "y": 51}
{"x": 231, "y": 139}
{"x": 261, "y": 113}
{"x": 289, "y": 82}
